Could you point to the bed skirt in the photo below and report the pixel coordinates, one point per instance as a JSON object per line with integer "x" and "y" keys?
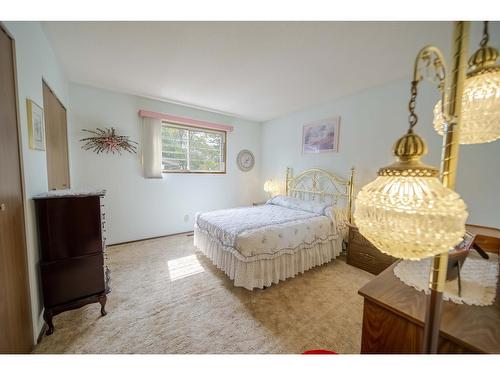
{"x": 264, "y": 272}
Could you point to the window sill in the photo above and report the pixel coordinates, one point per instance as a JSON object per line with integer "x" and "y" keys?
{"x": 191, "y": 172}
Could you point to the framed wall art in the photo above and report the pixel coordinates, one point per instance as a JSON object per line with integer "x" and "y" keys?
{"x": 36, "y": 128}
{"x": 321, "y": 136}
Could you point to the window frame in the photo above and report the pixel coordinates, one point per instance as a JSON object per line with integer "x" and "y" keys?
{"x": 195, "y": 128}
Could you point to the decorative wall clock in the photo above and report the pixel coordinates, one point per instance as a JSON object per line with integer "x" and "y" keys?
{"x": 245, "y": 160}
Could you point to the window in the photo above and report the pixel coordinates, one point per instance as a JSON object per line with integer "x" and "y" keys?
{"x": 192, "y": 150}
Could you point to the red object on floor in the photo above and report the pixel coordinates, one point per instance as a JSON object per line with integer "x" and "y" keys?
{"x": 319, "y": 351}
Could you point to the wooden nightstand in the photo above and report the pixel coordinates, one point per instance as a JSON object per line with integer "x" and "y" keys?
{"x": 362, "y": 254}
{"x": 394, "y": 316}
{"x": 258, "y": 203}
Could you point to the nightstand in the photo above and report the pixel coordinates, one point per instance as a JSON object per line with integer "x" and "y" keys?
{"x": 258, "y": 203}
{"x": 362, "y": 254}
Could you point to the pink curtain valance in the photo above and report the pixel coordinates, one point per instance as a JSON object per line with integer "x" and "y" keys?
{"x": 185, "y": 120}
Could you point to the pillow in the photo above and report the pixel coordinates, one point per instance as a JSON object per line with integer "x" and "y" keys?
{"x": 298, "y": 204}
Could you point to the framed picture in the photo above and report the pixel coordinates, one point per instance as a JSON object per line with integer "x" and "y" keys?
{"x": 467, "y": 242}
{"x": 321, "y": 136}
{"x": 456, "y": 259}
{"x": 36, "y": 128}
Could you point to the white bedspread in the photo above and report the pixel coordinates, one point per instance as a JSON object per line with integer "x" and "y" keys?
{"x": 266, "y": 232}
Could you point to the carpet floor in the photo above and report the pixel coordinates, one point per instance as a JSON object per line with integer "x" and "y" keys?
{"x": 167, "y": 298}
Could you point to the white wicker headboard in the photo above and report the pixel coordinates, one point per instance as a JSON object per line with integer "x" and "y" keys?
{"x": 321, "y": 185}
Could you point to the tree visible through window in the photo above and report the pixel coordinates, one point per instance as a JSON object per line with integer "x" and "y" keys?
{"x": 190, "y": 149}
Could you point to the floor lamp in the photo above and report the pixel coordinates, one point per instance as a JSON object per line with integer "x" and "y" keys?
{"x": 411, "y": 210}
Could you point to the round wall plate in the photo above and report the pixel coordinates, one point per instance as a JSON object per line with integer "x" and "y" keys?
{"x": 245, "y": 160}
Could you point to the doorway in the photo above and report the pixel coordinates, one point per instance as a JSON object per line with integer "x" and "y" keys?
{"x": 56, "y": 138}
{"x": 15, "y": 310}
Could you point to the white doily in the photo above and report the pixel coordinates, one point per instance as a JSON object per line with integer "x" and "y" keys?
{"x": 479, "y": 279}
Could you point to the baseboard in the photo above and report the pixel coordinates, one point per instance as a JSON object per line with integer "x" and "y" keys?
{"x": 189, "y": 233}
{"x": 41, "y": 334}
{"x": 42, "y": 327}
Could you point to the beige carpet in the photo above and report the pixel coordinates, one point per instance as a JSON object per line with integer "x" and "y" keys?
{"x": 166, "y": 298}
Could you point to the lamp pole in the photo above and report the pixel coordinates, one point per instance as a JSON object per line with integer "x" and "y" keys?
{"x": 449, "y": 160}
{"x": 406, "y": 211}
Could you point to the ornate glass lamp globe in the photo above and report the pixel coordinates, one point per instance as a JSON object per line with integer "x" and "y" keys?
{"x": 480, "y": 100}
{"x": 271, "y": 187}
{"x": 406, "y": 211}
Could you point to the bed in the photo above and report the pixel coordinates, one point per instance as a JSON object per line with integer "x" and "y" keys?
{"x": 261, "y": 245}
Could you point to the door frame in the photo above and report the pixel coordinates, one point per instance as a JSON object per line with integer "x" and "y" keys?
{"x": 23, "y": 184}
{"x": 44, "y": 82}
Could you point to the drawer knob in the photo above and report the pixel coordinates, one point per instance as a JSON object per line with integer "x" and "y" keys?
{"x": 370, "y": 257}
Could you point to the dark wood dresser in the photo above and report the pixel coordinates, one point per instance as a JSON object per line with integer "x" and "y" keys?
{"x": 72, "y": 249}
{"x": 393, "y": 320}
{"x": 362, "y": 254}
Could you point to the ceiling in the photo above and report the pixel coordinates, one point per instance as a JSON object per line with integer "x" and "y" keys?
{"x": 253, "y": 70}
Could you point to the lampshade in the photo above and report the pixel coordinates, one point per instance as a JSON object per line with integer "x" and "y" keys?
{"x": 480, "y": 121}
{"x": 268, "y": 186}
{"x": 480, "y": 110}
{"x": 271, "y": 187}
{"x": 406, "y": 211}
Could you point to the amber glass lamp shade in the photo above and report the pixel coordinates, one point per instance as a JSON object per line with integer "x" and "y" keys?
{"x": 406, "y": 211}
{"x": 480, "y": 120}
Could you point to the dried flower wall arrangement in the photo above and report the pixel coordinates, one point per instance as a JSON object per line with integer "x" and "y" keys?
{"x": 106, "y": 140}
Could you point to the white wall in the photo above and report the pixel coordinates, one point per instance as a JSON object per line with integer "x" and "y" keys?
{"x": 140, "y": 208}
{"x": 34, "y": 60}
{"x": 371, "y": 121}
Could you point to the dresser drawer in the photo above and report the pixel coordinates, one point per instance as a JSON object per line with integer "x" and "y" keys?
{"x": 69, "y": 279}
{"x": 368, "y": 258}
{"x": 69, "y": 227}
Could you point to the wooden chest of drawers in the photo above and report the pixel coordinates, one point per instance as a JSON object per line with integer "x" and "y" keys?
{"x": 362, "y": 254}
{"x": 72, "y": 252}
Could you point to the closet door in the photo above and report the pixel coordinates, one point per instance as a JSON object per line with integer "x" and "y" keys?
{"x": 15, "y": 315}
{"x": 56, "y": 138}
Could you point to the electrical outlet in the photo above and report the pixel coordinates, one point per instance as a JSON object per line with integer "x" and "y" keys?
{"x": 186, "y": 218}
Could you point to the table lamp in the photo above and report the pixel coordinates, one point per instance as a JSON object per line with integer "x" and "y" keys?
{"x": 271, "y": 188}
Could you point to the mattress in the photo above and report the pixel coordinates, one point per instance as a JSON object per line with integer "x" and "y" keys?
{"x": 267, "y": 231}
